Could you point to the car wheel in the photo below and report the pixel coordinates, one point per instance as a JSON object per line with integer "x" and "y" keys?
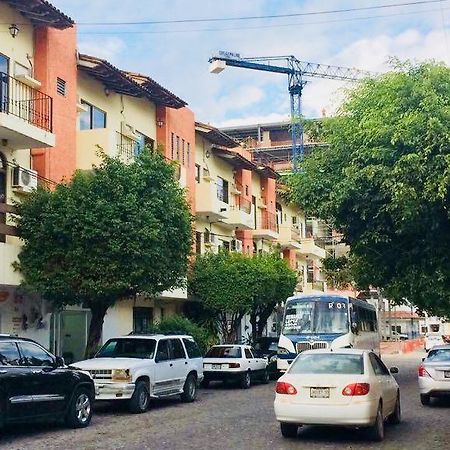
{"x": 189, "y": 389}
{"x": 246, "y": 380}
{"x": 266, "y": 377}
{"x": 396, "y": 417}
{"x": 79, "y": 414}
{"x": 288, "y": 430}
{"x": 140, "y": 401}
{"x": 425, "y": 399}
{"x": 376, "y": 431}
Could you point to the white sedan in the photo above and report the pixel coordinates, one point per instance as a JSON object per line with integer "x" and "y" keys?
{"x": 346, "y": 387}
{"x": 434, "y": 374}
{"x": 234, "y": 363}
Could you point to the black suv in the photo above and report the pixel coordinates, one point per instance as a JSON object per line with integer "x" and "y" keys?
{"x": 34, "y": 384}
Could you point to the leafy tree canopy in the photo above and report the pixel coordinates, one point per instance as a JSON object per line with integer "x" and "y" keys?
{"x": 384, "y": 183}
{"x": 109, "y": 233}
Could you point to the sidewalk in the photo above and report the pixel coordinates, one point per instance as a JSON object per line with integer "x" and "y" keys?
{"x": 394, "y": 347}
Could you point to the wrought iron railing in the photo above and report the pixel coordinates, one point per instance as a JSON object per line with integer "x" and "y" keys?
{"x": 245, "y": 205}
{"x": 269, "y": 221}
{"x": 126, "y": 147}
{"x": 25, "y": 102}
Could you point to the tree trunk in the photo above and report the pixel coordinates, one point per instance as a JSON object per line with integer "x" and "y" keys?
{"x": 229, "y": 333}
{"x": 98, "y": 311}
{"x": 263, "y": 317}
{"x": 254, "y": 323}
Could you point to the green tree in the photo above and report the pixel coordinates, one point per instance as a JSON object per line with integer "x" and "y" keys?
{"x": 384, "y": 183}
{"x": 108, "y": 234}
{"x": 230, "y": 285}
{"x": 277, "y": 282}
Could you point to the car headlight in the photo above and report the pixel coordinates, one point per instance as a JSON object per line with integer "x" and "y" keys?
{"x": 283, "y": 351}
{"x": 121, "y": 375}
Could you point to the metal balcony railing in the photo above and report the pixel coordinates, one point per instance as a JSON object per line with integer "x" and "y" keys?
{"x": 25, "y": 102}
{"x": 245, "y": 205}
{"x": 127, "y": 148}
{"x": 269, "y": 221}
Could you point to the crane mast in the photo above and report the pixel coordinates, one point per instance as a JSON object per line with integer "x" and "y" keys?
{"x": 296, "y": 71}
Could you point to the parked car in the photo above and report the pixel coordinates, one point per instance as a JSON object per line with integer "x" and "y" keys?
{"x": 139, "y": 367}
{"x": 396, "y": 336}
{"x": 36, "y": 385}
{"x": 431, "y": 340}
{"x": 234, "y": 363}
{"x": 347, "y": 387}
{"x": 434, "y": 374}
{"x": 267, "y": 347}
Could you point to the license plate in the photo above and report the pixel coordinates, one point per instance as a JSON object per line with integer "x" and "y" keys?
{"x": 319, "y": 392}
{"x": 447, "y": 374}
{"x": 217, "y": 366}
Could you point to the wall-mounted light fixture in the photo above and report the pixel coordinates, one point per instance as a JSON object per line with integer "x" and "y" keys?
{"x": 106, "y": 91}
{"x": 13, "y": 30}
{"x": 160, "y": 123}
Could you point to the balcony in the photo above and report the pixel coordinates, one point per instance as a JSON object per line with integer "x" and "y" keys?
{"x": 25, "y": 115}
{"x": 267, "y": 228}
{"x": 210, "y": 203}
{"x": 289, "y": 237}
{"x": 127, "y": 147}
{"x": 241, "y": 215}
{"x": 310, "y": 248}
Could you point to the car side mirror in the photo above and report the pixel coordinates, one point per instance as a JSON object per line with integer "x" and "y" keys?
{"x": 393, "y": 370}
{"x": 59, "y": 361}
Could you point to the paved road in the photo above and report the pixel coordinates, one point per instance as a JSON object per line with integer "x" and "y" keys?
{"x": 230, "y": 418}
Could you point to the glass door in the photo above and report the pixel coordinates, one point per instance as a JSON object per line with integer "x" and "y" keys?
{"x": 4, "y": 71}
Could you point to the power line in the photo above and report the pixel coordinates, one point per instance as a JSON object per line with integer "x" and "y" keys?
{"x": 294, "y": 24}
{"x": 271, "y": 16}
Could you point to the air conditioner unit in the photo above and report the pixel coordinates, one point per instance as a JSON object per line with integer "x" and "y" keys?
{"x": 236, "y": 245}
{"x": 24, "y": 180}
{"x": 127, "y": 130}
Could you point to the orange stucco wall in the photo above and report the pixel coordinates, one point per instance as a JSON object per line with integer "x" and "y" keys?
{"x": 55, "y": 56}
{"x": 243, "y": 179}
{"x": 181, "y": 122}
{"x": 290, "y": 255}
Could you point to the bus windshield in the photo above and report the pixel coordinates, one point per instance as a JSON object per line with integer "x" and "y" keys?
{"x": 324, "y": 315}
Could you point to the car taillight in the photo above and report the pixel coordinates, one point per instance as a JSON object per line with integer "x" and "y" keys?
{"x": 356, "y": 389}
{"x": 234, "y": 365}
{"x": 423, "y": 372}
{"x": 285, "y": 388}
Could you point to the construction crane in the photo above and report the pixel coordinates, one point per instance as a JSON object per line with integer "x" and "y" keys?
{"x": 297, "y": 72}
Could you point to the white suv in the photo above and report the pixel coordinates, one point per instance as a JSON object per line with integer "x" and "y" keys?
{"x": 137, "y": 367}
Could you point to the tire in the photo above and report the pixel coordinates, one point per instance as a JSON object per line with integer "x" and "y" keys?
{"x": 396, "y": 417}
{"x": 189, "y": 389}
{"x": 246, "y": 380}
{"x": 79, "y": 414}
{"x": 205, "y": 382}
{"x": 376, "y": 431}
{"x": 425, "y": 399}
{"x": 140, "y": 401}
{"x": 288, "y": 430}
{"x": 266, "y": 377}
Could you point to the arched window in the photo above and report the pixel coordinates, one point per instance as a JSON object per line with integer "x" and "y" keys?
{"x": 3, "y": 167}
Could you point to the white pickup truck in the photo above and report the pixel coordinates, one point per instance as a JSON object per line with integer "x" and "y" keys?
{"x": 137, "y": 367}
{"x": 234, "y": 363}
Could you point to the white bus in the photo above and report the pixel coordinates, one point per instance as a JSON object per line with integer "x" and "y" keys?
{"x": 317, "y": 321}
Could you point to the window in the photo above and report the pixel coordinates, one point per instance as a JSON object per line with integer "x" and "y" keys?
{"x": 198, "y": 242}
{"x": 324, "y": 363}
{"x": 34, "y": 355}
{"x": 188, "y": 154}
{"x": 93, "y": 118}
{"x": 183, "y": 159}
{"x": 378, "y": 367}
{"x": 172, "y": 146}
{"x": 142, "y": 319}
{"x": 177, "y": 349}
{"x": 197, "y": 173}
{"x": 246, "y": 190}
{"x": 141, "y": 142}
{"x": 192, "y": 348}
{"x": 178, "y": 148}
{"x": 439, "y": 355}
{"x": 294, "y": 220}
{"x": 61, "y": 87}
{"x": 163, "y": 350}
{"x": 248, "y": 353}
{"x": 224, "y": 352}
{"x": 9, "y": 354}
{"x": 127, "y": 348}
{"x": 222, "y": 190}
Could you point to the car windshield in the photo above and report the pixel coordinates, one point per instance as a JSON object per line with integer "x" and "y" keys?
{"x": 325, "y": 363}
{"x": 224, "y": 352}
{"x": 439, "y": 355}
{"x": 316, "y": 315}
{"x": 128, "y": 348}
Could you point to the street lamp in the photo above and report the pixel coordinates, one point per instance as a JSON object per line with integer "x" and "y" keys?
{"x": 13, "y": 30}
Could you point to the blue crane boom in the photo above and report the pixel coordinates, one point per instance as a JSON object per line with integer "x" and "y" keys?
{"x": 296, "y": 71}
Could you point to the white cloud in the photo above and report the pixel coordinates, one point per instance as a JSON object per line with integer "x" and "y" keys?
{"x": 108, "y": 48}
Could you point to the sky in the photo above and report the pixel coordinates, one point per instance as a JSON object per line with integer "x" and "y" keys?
{"x": 176, "y": 54}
